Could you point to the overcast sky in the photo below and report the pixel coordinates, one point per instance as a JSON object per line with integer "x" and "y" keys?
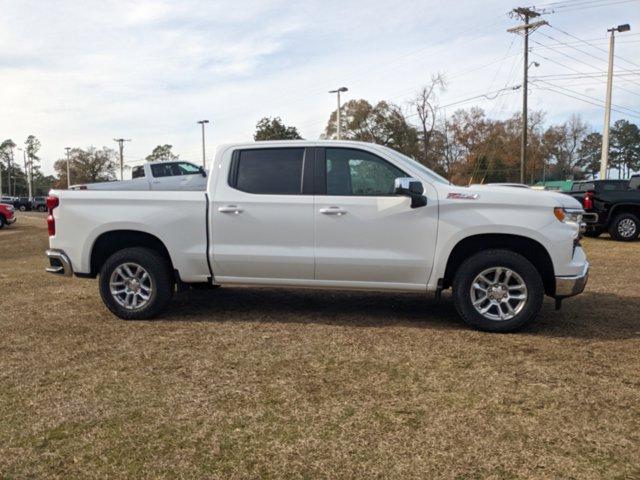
{"x": 81, "y": 73}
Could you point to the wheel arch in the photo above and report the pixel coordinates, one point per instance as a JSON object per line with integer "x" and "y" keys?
{"x": 531, "y": 249}
{"x": 620, "y": 208}
{"x": 107, "y": 243}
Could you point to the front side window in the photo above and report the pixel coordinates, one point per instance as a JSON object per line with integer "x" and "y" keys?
{"x": 272, "y": 171}
{"x": 186, "y": 168}
{"x": 358, "y": 173}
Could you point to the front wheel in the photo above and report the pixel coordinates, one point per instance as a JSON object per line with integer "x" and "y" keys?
{"x": 2, "y": 221}
{"x": 625, "y": 227}
{"x": 497, "y": 291}
{"x": 136, "y": 283}
{"x": 22, "y": 208}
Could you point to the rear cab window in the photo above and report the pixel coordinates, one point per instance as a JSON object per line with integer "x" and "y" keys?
{"x": 268, "y": 171}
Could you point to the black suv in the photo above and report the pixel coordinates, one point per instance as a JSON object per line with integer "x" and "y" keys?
{"x": 610, "y": 205}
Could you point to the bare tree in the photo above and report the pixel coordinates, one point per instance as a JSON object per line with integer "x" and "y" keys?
{"x": 425, "y": 105}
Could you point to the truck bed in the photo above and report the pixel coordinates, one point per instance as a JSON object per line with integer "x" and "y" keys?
{"x": 177, "y": 218}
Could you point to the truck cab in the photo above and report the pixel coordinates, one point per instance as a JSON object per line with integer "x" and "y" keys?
{"x": 161, "y": 175}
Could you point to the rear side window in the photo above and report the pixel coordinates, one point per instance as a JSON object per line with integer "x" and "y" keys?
{"x": 272, "y": 171}
{"x": 614, "y": 186}
{"x": 164, "y": 170}
{"x": 582, "y": 186}
{"x": 137, "y": 172}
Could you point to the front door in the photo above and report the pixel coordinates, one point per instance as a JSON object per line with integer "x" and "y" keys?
{"x": 262, "y": 217}
{"x": 366, "y": 235}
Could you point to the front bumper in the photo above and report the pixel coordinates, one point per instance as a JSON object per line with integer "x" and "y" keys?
{"x": 574, "y": 285}
{"x": 11, "y": 220}
{"x": 59, "y": 263}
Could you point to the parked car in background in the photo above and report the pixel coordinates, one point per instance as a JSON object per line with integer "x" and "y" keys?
{"x": 7, "y": 214}
{"x": 610, "y": 205}
{"x": 22, "y": 203}
{"x": 39, "y": 204}
{"x": 176, "y": 175}
{"x": 7, "y": 199}
{"x": 325, "y": 214}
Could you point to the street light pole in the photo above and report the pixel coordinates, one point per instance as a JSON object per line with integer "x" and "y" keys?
{"x": 68, "y": 149}
{"x": 121, "y": 147}
{"x": 604, "y": 159}
{"x": 204, "y": 157}
{"x": 338, "y": 119}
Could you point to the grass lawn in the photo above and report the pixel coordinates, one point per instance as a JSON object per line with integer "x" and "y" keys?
{"x": 265, "y": 383}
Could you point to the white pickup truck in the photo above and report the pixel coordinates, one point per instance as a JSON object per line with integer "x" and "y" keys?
{"x": 161, "y": 175}
{"x": 324, "y": 214}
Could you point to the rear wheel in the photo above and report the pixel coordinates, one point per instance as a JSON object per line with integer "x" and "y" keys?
{"x": 42, "y": 208}
{"x": 22, "y": 208}
{"x": 2, "y": 221}
{"x": 497, "y": 291}
{"x": 625, "y": 227}
{"x": 136, "y": 283}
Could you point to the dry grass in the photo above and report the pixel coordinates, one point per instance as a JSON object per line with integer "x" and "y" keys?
{"x": 261, "y": 383}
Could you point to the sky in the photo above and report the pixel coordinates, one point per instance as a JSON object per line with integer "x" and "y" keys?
{"x": 81, "y": 73}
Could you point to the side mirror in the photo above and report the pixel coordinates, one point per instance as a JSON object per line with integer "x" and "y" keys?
{"x": 203, "y": 172}
{"x": 412, "y": 188}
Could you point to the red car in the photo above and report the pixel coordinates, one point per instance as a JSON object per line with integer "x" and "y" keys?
{"x": 7, "y": 214}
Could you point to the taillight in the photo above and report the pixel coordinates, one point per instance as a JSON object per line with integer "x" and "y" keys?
{"x": 587, "y": 203}
{"x": 52, "y": 202}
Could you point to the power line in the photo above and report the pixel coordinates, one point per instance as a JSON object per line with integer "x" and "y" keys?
{"x": 588, "y": 99}
{"x": 576, "y": 60}
{"x": 593, "y": 46}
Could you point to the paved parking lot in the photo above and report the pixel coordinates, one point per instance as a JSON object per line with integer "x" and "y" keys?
{"x": 263, "y": 383}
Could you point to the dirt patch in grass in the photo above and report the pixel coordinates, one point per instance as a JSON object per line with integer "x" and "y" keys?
{"x": 265, "y": 383}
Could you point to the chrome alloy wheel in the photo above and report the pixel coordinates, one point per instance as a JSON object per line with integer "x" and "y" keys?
{"x": 131, "y": 286}
{"x": 498, "y": 293}
{"x": 627, "y": 228}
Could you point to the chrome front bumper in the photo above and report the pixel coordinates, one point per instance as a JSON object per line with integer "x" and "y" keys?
{"x": 11, "y": 220}
{"x": 570, "y": 286}
{"x": 59, "y": 263}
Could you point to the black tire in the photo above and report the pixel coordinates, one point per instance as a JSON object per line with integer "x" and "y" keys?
{"x": 487, "y": 259}
{"x": 625, "y": 227}
{"x": 22, "y": 208}
{"x": 594, "y": 232}
{"x": 161, "y": 281}
{"x": 42, "y": 208}
{"x": 2, "y": 221}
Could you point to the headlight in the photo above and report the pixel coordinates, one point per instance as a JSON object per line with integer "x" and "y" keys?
{"x": 569, "y": 215}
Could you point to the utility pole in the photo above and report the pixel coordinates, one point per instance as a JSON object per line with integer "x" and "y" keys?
{"x": 525, "y": 14}
{"x": 11, "y": 160}
{"x": 604, "y": 159}
{"x": 121, "y": 147}
{"x": 27, "y": 168}
{"x": 338, "y": 119}
{"x": 68, "y": 149}
{"x": 204, "y": 158}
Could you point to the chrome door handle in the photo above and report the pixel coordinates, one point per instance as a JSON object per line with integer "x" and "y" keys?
{"x": 230, "y": 209}
{"x": 333, "y": 211}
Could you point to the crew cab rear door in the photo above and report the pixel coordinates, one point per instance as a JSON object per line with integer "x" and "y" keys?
{"x": 262, "y": 216}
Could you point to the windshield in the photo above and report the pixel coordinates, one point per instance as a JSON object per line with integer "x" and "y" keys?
{"x": 418, "y": 166}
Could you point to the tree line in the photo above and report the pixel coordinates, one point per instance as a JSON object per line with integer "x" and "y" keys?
{"x": 469, "y": 147}
{"x": 465, "y": 147}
